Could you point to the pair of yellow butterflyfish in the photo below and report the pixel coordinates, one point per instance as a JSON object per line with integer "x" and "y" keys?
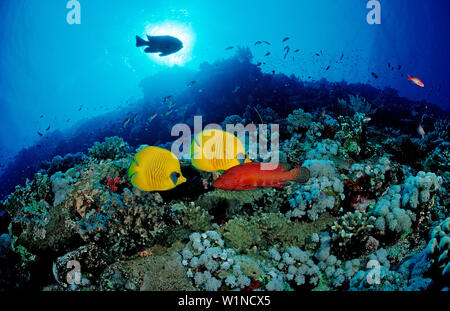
{"x": 157, "y": 169}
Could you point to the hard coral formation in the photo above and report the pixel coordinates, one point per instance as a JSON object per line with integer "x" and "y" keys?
{"x": 112, "y": 148}
{"x": 438, "y": 250}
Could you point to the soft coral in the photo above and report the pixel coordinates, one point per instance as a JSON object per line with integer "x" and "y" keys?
{"x": 112, "y": 183}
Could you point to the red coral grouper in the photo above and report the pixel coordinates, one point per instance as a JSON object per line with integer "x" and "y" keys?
{"x": 251, "y": 176}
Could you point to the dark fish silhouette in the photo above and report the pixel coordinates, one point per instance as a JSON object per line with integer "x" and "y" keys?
{"x": 327, "y": 68}
{"x": 268, "y": 43}
{"x": 267, "y": 54}
{"x": 297, "y": 50}
{"x": 374, "y": 75}
{"x": 287, "y": 49}
{"x": 48, "y": 128}
{"x": 164, "y": 45}
{"x": 40, "y": 134}
{"x": 285, "y": 39}
{"x": 229, "y": 48}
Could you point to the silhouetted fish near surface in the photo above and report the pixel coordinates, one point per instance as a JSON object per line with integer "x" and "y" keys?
{"x": 42, "y": 116}
{"x": 327, "y": 68}
{"x": 40, "y": 134}
{"x": 81, "y": 107}
{"x": 342, "y": 56}
{"x": 48, "y": 128}
{"x": 374, "y": 75}
{"x": 297, "y": 50}
{"x": 229, "y": 48}
{"x": 164, "y": 45}
{"x": 258, "y": 42}
{"x": 135, "y": 117}
{"x": 267, "y": 54}
{"x": 266, "y": 42}
{"x": 285, "y": 39}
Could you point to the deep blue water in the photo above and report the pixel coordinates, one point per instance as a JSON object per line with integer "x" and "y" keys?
{"x": 55, "y": 75}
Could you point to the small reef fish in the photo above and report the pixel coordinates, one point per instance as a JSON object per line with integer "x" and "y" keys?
{"x": 81, "y": 107}
{"x": 152, "y": 117}
{"x": 421, "y": 131}
{"x": 42, "y": 116}
{"x": 327, "y": 68}
{"x": 285, "y": 39}
{"x": 236, "y": 89}
{"x": 229, "y": 48}
{"x": 48, "y": 128}
{"x": 216, "y": 150}
{"x": 168, "y": 113}
{"x": 164, "y": 45}
{"x": 258, "y": 42}
{"x": 192, "y": 83}
{"x": 287, "y": 49}
{"x": 297, "y": 50}
{"x": 40, "y": 134}
{"x": 366, "y": 119}
{"x": 267, "y": 54}
{"x": 125, "y": 122}
{"x": 172, "y": 104}
{"x": 416, "y": 81}
{"x": 249, "y": 176}
{"x": 374, "y": 75}
{"x": 155, "y": 169}
{"x": 135, "y": 118}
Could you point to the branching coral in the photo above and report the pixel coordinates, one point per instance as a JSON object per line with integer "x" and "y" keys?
{"x": 129, "y": 223}
{"x": 351, "y": 232}
{"x": 112, "y": 148}
{"x": 298, "y": 120}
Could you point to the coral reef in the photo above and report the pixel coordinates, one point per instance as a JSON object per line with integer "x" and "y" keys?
{"x": 112, "y": 148}
{"x": 361, "y": 222}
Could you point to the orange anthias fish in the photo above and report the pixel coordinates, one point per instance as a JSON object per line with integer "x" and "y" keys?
{"x": 249, "y": 176}
{"x": 416, "y": 81}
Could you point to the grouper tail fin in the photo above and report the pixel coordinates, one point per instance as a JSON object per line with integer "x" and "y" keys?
{"x": 140, "y": 42}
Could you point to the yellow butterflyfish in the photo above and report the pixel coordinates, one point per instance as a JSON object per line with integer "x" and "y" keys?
{"x": 155, "y": 169}
{"x": 216, "y": 150}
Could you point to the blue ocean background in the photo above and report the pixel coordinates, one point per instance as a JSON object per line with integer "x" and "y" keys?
{"x": 58, "y": 76}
